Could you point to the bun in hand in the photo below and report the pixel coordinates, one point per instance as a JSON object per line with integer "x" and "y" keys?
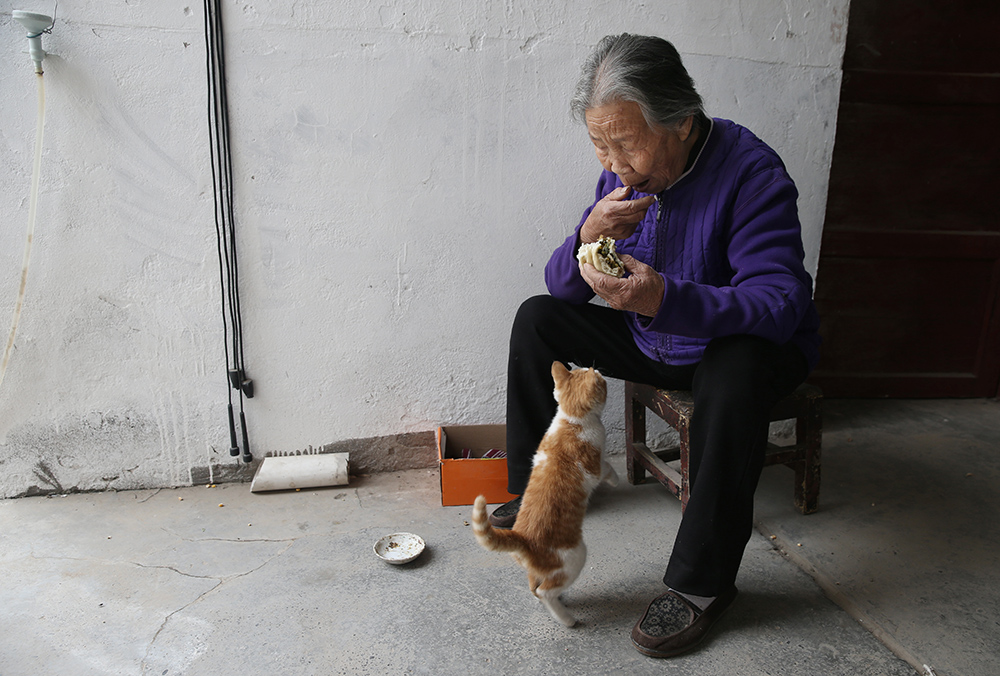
{"x": 601, "y": 254}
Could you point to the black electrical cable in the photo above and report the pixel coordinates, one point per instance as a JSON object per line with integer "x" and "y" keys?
{"x": 225, "y": 231}
{"x": 226, "y": 166}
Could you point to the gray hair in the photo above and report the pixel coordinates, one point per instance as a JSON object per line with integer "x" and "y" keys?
{"x": 646, "y": 70}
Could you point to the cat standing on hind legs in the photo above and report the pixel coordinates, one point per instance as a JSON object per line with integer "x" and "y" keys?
{"x": 547, "y": 538}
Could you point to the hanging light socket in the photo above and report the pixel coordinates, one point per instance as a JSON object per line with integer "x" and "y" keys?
{"x": 35, "y": 24}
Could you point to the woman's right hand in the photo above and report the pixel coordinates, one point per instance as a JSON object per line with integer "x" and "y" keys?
{"x": 615, "y": 216}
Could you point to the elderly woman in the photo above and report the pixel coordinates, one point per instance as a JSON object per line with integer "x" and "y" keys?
{"x": 715, "y": 300}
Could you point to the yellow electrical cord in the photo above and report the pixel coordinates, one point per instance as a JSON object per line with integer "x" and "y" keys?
{"x": 32, "y": 209}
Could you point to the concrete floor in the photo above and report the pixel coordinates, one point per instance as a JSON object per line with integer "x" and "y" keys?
{"x": 219, "y": 581}
{"x": 907, "y": 538}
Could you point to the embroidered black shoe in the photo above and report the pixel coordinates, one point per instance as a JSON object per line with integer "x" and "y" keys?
{"x": 505, "y": 515}
{"x": 673, "y": 625}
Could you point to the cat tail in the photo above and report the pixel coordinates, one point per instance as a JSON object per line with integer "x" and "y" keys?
{"x": 492, "y": 538}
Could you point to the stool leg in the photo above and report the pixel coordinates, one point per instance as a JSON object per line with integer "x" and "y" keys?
{"x": 684, "y": 437}
{"x": 809, "y": 435}
{"x": 635, "y": 430}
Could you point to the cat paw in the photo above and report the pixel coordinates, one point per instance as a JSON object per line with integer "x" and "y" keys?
{"x": 610, "y": 475}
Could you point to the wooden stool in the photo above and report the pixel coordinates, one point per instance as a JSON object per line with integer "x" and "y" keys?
{"x": 676, "y": 408}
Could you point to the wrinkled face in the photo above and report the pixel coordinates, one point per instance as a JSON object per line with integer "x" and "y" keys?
{"x": 648, "y": 160}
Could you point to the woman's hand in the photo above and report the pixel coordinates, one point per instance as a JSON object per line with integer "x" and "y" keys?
{"x": 641, "y": 292}
{"x": 614, "y": 216}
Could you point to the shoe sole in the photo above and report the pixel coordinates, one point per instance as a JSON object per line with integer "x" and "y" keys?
{"x": 504, "y": 526}
{"x": 671, "y": 653}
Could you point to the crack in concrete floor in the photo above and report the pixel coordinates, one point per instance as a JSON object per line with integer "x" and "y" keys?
{"x": 221, "y": 582}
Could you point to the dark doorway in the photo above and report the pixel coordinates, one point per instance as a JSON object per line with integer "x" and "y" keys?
{"x": 908, "y": 284}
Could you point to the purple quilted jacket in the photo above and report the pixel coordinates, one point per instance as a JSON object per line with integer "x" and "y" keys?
{"x": 727, "y": 240}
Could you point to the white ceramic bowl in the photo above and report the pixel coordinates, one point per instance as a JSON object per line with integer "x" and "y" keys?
{"x": 399, "y": 548}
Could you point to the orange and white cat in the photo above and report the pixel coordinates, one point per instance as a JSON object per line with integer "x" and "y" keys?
{"x": 547, "y": 538}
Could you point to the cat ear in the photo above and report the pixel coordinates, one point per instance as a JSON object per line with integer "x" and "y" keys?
{"x": 559, "y": 372}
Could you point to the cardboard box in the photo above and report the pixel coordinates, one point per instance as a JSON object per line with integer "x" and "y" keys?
{"x": 462, "y": 479}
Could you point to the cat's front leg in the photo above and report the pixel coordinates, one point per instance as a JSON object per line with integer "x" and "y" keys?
{"x": 608, "y": 474}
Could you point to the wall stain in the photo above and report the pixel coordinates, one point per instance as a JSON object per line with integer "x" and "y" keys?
{"x": 45, "y": 474}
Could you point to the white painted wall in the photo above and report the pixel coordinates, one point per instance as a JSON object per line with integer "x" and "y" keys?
{"x": 403, "y": 170}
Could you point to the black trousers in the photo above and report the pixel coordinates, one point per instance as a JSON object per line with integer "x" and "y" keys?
{"x": 736, "y": 384}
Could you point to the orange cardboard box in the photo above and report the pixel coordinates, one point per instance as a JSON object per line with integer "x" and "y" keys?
{"x": 462, "y": 479}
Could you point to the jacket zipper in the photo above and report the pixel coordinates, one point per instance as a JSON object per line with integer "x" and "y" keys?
{"x": 664, "y": 346}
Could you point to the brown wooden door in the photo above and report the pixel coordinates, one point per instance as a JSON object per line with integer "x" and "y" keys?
{"x": 908, "y": 284}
